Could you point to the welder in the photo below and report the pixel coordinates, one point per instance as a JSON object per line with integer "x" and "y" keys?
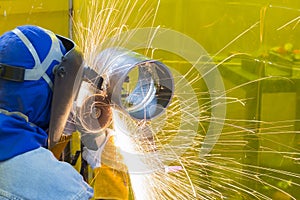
{"x": 39, "y": 77}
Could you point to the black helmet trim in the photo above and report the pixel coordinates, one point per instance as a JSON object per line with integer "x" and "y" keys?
{"x": 12, "y": 73}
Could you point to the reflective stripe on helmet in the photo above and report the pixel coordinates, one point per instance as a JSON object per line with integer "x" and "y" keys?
{"x": 40, "y": 68}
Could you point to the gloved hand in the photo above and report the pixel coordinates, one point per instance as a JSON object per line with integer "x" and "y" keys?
{"x": 92, "y": 155}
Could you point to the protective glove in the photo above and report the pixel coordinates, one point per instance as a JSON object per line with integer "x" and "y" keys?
{"x": 93, "y": 157}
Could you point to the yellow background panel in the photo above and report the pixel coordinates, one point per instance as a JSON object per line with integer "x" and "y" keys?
{"x": 50, "y": 14}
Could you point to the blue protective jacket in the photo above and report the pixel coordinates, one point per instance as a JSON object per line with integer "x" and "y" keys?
{"x": 37, "y": 175}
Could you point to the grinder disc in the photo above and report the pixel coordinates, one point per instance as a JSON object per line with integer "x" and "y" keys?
{"x": 95, "y": 113}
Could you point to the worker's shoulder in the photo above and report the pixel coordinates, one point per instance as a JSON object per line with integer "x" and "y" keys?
{"x": 38, "y": 173}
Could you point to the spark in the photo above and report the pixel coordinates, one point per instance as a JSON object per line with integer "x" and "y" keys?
{"x": 232, "y": 169}
{"x": 297, "y": 19}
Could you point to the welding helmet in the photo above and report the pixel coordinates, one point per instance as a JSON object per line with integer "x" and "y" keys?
{"x": 41, "y": 73}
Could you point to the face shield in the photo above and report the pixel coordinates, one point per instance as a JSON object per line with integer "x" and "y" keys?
{"x": 68, "y": 77}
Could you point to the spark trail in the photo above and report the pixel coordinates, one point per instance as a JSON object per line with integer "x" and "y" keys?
{"x": 252, "y": 158}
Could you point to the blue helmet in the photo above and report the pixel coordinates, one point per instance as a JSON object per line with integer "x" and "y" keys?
{"x": 40, "y": 74}
{"x": 33, "y": 52}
